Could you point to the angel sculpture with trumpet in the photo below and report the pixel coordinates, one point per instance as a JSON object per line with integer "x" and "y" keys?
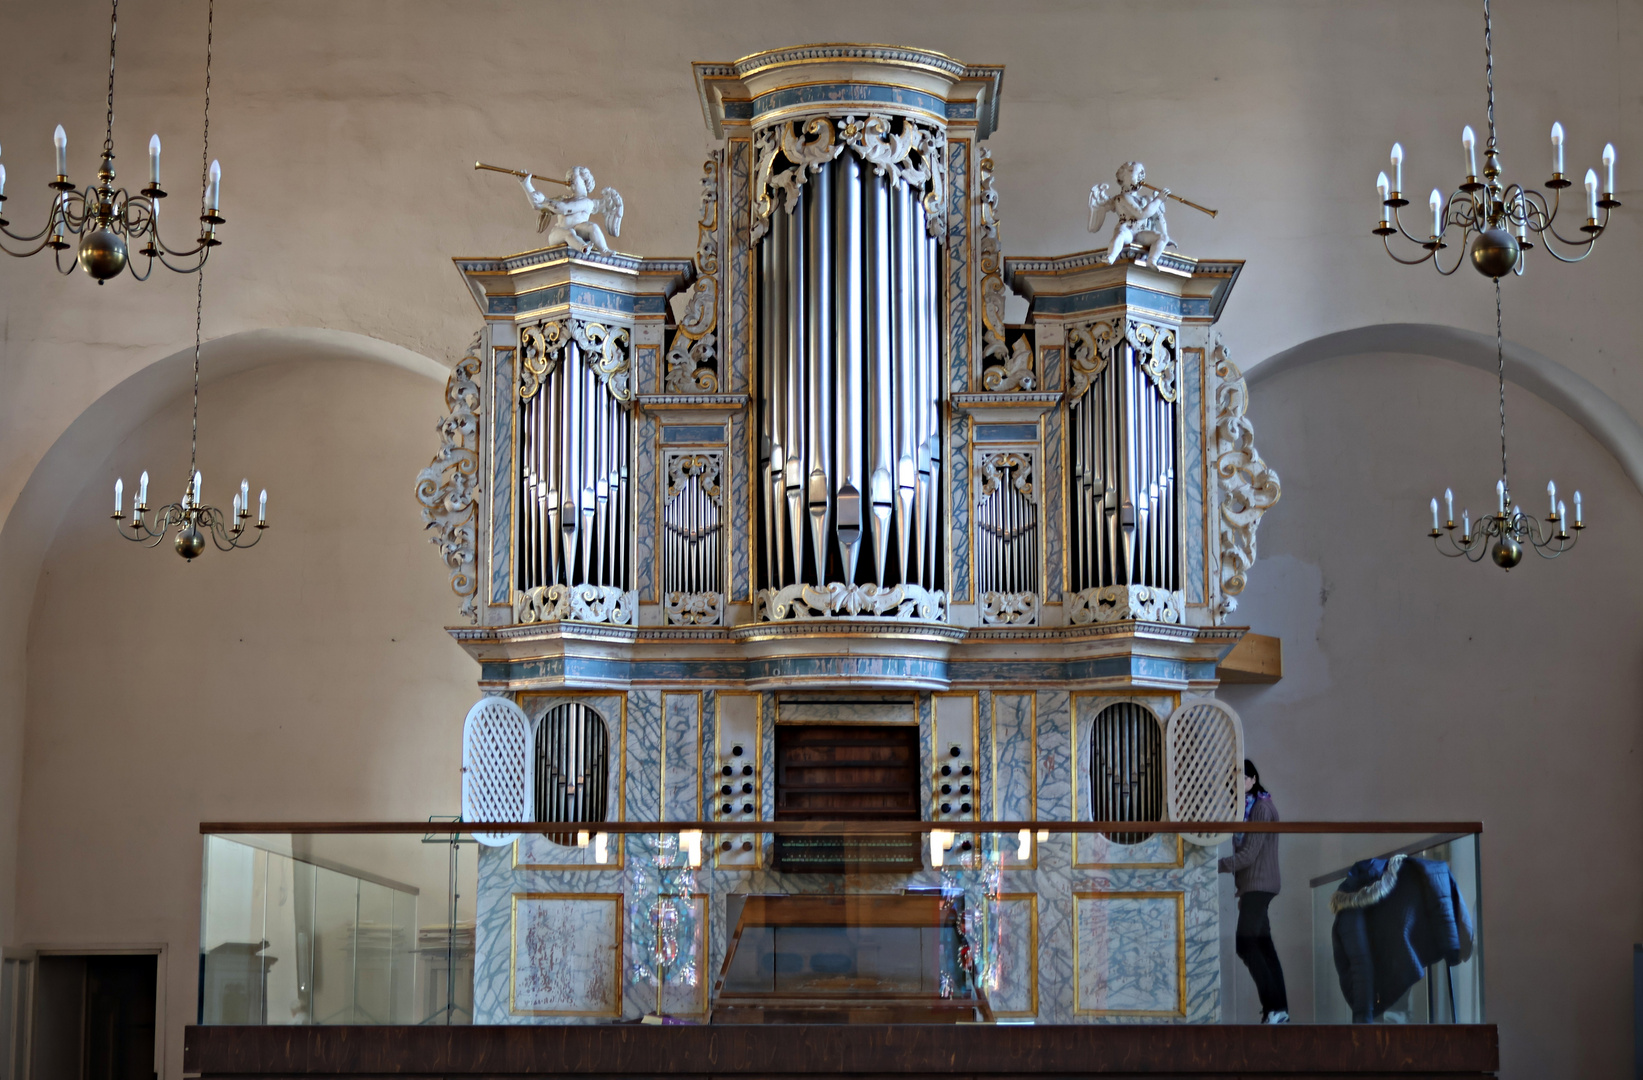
{"x": 1140, "y": 213}
{"x": 568, "y": 221}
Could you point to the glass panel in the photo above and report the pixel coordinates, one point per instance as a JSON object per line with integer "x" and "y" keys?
{"x": 1055, "y": 926}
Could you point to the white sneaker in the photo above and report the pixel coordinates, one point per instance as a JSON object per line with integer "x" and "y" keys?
{"x": 1279, "y": 1017}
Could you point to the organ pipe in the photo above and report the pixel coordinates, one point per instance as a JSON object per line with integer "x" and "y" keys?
{"x": 1125, "y": 514}
{"x": 575, "y": 497}
{"x": 850, "y": 347}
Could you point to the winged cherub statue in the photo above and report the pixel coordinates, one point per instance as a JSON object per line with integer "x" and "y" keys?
{"x": 566, "y": 221}
{"x": 1139, "y": 210}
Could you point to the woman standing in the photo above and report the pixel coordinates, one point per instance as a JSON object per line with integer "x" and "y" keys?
{"x": 1253, "y": 865}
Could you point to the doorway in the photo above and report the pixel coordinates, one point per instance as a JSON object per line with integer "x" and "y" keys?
{"x": 94, "y": 1017}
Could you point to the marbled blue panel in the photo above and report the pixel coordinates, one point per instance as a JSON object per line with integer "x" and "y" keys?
{"x": 735, "y": 343}
{"x": 958, "y": 494}
{"x": 644, "y": 515}
{"x": 1055, "y": 758}
{"x": 565, "y": 960}
{"x": 505, "y": 403}
{"x": 681, "y": 788}
{"x": 840, "y": 97}
{"x": 646, "y": 367}
{"x": 1050, "y": 359}
{"x": 1006, "y": 433}
{"x": 1017, "y": 946}
{"x": 904, "y": 711}
{"x": 1155, "y": 850}
{"x": 692, "y": 433}
{"x": 1051, "y": 479}
{"x": 741, "y": 536}
{"x": 1192, "y": 416}
{"x": 589, "y": 297}
{"x": 1203, "y": 951}
{"x": 1138, "y": 299}
{"x": 1014, "y": 790}
{"x": 644, "y": 755}
{"x": 919, "y": 672}
{"x": 685, "y": 993}
{"x": 493, "y": 930}
{"x": 926, "y": 751}
{"x": 1129, "y": 954}
{"x": 958, "y": 264}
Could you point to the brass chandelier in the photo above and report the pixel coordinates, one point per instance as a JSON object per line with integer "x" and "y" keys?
{"x": 191, "y": 517}
{"x": 108, "y": 220}
{"x": 1498, "y": 224}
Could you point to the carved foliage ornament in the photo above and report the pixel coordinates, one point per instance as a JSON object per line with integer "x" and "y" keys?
{"x": 1122, "y": 603}
{"x": 448, "y": 488}
{"x": 692, "y": 358}
{"x": 1090, "y": 349}
{"x": 604, "y": 349}
{"x": 1009, "y": 609}
{"x": 1247, "y": 486}
{"x": 695, "y": 609}
{"x": 1016, "y": 373}
{"x": 578, "y": 603}
{"x": 839, "y": 600}
{"x": 705, "y": 467}
{"x": 786, "y": 153}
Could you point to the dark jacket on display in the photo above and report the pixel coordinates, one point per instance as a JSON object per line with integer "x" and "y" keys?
{"x": 1394, "y": 918}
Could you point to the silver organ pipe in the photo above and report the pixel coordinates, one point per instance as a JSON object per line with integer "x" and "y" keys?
{"x": 575, "y": 494}
{"x": 850, "y": 384}
{"x": 692, "y": 523}
{"x": 1124, "y": 500}
{"x": 1007, "y": 536}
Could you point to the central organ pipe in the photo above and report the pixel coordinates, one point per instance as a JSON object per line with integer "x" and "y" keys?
{"x": 849, "y": 384}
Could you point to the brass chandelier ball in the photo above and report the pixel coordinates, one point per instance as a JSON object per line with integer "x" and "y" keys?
{"x": 190, "y": 544}
{"x": 1507, "y": 552}
{"x": 1495, "y": 252}
{"x": 102, "y": 254}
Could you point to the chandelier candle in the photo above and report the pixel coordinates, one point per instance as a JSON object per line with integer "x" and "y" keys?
{"x": 1557, "y": 150}
{"x": 154, "y": 160}
{"x": 1469, "y": 140}
{"x": 59, "y": 139}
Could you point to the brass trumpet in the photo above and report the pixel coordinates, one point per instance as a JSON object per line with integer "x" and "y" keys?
{"x": 536, "y": 176}
{"x": 1150, "y": 187}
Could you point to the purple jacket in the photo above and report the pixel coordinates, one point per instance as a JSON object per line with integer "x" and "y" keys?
{"x": 1253, "y": 863}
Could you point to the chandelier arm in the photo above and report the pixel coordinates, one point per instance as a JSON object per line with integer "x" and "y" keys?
{"x": 1562, "y": 258}
{"x": 1407, "y": 262}
{"x": 57, "y": 257}
{"x": 196, "y": 268}
{"x": 1398, "y": 223}
{"x": 43, "y": 235}
{"x": 1460, "y": 257}
{"x": 146, "y": 274}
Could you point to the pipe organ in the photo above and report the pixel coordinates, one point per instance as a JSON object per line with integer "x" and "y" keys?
{"x": 850, "y": 464}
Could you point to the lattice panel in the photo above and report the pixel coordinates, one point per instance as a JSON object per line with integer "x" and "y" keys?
{"x": 496, "y": 772}
{"x": 1205, "y": 752}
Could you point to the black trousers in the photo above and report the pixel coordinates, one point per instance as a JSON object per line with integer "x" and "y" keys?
{"x": 1254, "y": 945}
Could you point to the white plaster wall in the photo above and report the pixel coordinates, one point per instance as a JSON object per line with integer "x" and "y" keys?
{"x": 308, "y": 679}
{"x": 347, "y": 130}
{"x": 1421, "y": 688}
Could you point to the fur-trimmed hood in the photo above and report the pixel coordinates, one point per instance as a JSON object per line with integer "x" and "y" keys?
{"x": 1373, "y": 893}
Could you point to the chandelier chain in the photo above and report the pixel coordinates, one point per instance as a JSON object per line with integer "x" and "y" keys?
{"x": 1489, "y": 66}
{"x": 199, "y": 283}
{"x": 113, "y": 27}
{"x": 1500, "y": 370}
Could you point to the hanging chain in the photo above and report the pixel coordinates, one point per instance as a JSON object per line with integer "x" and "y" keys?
{"x": 199, "y": 282}
{"x": 1489, "y": 67}
{"x": 1500, "y": 368}
{"x": 113, "y": 25}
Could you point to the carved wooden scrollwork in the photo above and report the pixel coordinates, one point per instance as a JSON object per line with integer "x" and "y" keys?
{"x": 448, "y": 488}
{"x": 692, "y": 358}
{"x": 1248, "y": 487}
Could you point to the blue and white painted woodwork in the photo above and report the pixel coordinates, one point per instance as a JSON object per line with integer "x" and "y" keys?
{"x": 985, "y": 626}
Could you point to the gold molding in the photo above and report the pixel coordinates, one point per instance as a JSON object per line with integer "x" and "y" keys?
{"x": 617, "y": 902}
{"x": 1032, "y": 949}
{"x": 1180, "y": 898}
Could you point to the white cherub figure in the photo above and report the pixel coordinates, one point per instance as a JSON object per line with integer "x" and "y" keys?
{"x": 1140, "y": 213}
{"x": 566, "y": 220}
